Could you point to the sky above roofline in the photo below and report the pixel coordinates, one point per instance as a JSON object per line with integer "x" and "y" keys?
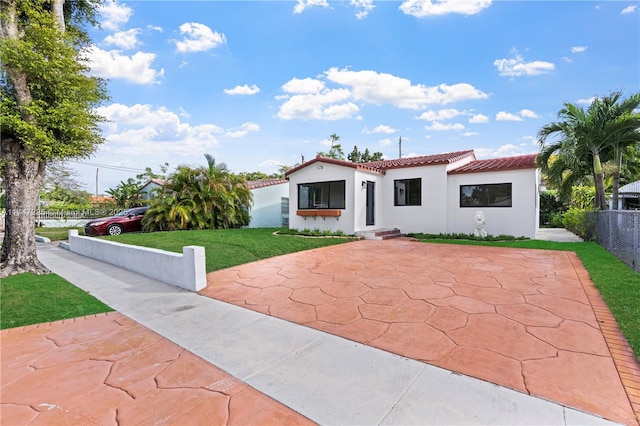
{"x": 262, "y": 84}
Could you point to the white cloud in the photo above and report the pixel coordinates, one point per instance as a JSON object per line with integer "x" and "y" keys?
{"x": 198, "y": 38}
{"x": 154, "y": 28}
{"x": 532, "y": 140}
{"x": 303, "y": 86}
{"x": 243, "y": 130}
{"x": 516, "y": 66}
{"x": 382, "y": 88}
{"x": 578, "y": 49}
{"x": 328, "y": 105}
{"x": 124, "y": 39}
{"x": 112, "y": 64}
{"x": 385, "y": 142}
{"x": 479, "y": 118}
{"x": 379, "y": 129}
{"x": 467, "y": 134}
{"x": 588, "y": 101}
{"x": 305, "y": 4}
{"x": 270, "y": 164}
{"x": 629, "y": 9}
{"x": 507, "y": 150}
{"x": 144, "y": 129}
{"x": 114, "y": 14}
{"x": 567, "y": 59}
{"x": 444, "y": 127}
{"x": 443, "y": 114}
{"x": 527, "y": 113}
{"x": 507, "y": 116}
{"x": 422, "y": 8}
{"x": 312, "y": 100}
{"x": 243, "y": 90}
{"x": 363, "y": 7}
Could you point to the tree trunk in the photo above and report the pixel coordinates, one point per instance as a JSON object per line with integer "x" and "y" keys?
{"x": 600, "y": 201}
{"x": 23, "y": 176}
{"x": 616, "y": 179}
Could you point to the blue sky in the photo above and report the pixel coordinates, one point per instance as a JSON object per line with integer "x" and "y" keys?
{"x": 258, "y": 84}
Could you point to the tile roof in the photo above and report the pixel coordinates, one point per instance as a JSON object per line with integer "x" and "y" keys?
{"x": 319, "y": 158}
{"x": 494, "y": 164}
{"x": 262, "y": 183}
{"x": 381, "y": 166}
{"x": 425, "y": 160}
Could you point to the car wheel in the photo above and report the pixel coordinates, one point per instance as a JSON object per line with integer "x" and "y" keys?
{"x": 114, "y": 230}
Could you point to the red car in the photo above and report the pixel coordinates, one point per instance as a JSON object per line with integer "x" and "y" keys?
{"x": 126, "y": 221}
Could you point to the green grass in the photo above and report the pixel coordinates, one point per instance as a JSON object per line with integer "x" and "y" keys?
{"x": 57, "y": 234}
{"x": 618, "y": 283}
{"x": 27, "y": 299}
{"x": 225, "y": 248}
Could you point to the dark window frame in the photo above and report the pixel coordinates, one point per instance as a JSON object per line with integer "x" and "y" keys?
{"x": 329, "y": 205}
{"x": 409, "y": 200}
{"x": 486, "y": 189}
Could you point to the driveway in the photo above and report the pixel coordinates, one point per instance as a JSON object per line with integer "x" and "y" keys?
{"x": 530, "y": 320}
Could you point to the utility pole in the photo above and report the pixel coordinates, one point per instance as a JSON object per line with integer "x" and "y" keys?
{"x": 97, "y": 181}
{"x": 400, "y": 147}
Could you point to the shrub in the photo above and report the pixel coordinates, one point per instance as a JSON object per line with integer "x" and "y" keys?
{"x": 550, "y": 206}
{"x": 576, "y": 221}
{"x": 461, "y": 236}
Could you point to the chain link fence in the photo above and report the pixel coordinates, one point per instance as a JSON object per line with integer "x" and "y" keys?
{"x": 619, "y": 232}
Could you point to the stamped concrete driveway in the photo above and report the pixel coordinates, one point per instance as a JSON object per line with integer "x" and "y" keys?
{"x": 530, "y": 320}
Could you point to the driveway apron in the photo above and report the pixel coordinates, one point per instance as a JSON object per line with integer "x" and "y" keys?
{"x": 530, "y": 320}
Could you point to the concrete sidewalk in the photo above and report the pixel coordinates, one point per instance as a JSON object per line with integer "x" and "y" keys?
{"x": 328, "y": 379}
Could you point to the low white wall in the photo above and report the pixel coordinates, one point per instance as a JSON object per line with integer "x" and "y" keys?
{"x": 64, "y": 223}
{"x": 186, "y": 270}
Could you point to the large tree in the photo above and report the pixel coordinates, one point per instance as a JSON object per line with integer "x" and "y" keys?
{"x": 47, "y": 109}
{"x": 585, "y": 139}
{"x": 335, "y": 151}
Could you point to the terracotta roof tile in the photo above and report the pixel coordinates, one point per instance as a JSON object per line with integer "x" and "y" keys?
{"x": 319, "y": 158}
{"x": 493, "y": 164}
{"x": 262, "y": 183}
{"x": 425, "y": 160}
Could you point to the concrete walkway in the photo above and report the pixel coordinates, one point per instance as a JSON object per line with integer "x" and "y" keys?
{"x": 557, "y": 234}
{"x": 324, "y": 377}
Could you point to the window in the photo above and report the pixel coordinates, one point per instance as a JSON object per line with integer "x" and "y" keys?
{"x": 491, "y": 195}
{"x": 321, "y": 195}
{"x": 407, "y": 192}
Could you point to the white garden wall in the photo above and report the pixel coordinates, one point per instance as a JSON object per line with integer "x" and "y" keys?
{"x": 186, "y": 270}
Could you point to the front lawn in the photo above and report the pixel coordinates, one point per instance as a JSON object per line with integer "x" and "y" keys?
{"x": 27, "y": 299}
{"x": 57, "y": 234}
{"x": 225, "y": 248}
{"x": 618, "y": 283}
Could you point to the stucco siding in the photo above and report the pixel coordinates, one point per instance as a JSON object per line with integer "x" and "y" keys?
{"x": 521, "y": 219}
{"x": 266, "y": 210}
{"x": 324, "y": 172}
{"x": 430, "y": 216}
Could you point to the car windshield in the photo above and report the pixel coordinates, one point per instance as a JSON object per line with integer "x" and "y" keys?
{"x": 125, "y": 213}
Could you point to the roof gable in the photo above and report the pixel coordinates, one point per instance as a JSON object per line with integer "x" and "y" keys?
{"x": 425, "y": 160}
{"x": 498, "y": 164}
{"x": 343, "y": 163}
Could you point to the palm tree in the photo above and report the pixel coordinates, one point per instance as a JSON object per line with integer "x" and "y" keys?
{"x": 206, "y": 197}
{"x": 586, "y": 139}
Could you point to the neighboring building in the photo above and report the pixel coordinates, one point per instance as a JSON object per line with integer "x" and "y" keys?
{"x": 270, "y": 207}
{"x": 148, "y": 190}
{"x": 429, "y": 194}
{"x": 629, "y": 196}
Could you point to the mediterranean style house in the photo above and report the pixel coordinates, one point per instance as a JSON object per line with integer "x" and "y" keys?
{"x": 432, "y": 194}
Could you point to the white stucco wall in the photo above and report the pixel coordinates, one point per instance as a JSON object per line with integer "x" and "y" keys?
{"x": 360, "y": 201}
{"x": 521, "y": 219}
{"x": 430, "y": 216}
{"x": 266, "y": 211}
{"x": 325, "y": 172}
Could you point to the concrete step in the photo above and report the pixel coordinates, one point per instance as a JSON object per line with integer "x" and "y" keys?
{"x": 380, "y": 234}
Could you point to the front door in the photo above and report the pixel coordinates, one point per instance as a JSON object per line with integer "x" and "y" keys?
{"x": 371, "y": 190}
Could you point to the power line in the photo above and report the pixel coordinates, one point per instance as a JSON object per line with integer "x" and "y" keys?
{"x": 109, "y": 166}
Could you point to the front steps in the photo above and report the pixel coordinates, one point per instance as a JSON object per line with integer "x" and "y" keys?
{"x": 380, "y": 234}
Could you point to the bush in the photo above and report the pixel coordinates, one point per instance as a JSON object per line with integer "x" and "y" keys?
{"x": 556, "y": 220}
{"x": 576, "y": 221}
{"x": 550, "y": 206}
{"x": 461, "y": 236}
